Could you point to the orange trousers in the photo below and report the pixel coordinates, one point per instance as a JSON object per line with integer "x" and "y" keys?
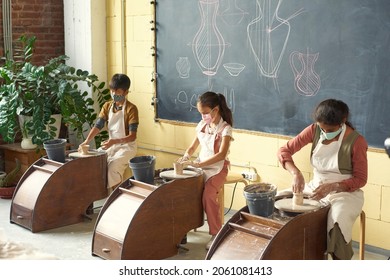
{"x": 210, "y": 201}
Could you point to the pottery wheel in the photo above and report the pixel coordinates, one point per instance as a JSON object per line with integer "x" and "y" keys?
{"x": 170, "y": 174}
{"x": 288, "y": 206}
{"x": 80, "y": 155}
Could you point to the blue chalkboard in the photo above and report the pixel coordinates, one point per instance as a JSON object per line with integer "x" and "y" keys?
{"x": 275, "y": 61}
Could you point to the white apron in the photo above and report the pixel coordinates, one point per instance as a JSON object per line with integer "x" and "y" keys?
{"x": 345, "y": 206}
{"x": 118, "y": 155}
{"x": 207, "y": 141}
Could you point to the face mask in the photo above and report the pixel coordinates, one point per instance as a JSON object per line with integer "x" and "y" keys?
{"x": 117, "y": 98}
{"x": 331, "y": 135}
{"x": 207, "y": 118}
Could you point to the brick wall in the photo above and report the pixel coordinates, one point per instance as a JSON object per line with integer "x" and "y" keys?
{"x": 41, "y": 18}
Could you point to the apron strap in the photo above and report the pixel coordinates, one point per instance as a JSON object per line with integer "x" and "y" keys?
{"x": 344, "y": 155}
{"x": 316, "y": 138}
{"x": 218, "y": 138}
{"x": 345, "y": 152}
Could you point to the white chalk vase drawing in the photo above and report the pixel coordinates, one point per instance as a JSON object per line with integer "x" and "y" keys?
{"x": 183, "y": 67}
{"x": 306, "y": 81}
{"x": 208, "y": 45}
{"x": 268, "y": 35}
{"x": 233, "y": 15}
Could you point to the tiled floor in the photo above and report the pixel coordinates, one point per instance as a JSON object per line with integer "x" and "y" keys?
{"x": 74, "y": 242}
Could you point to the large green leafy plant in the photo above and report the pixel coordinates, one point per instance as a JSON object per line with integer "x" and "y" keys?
{"x": 40, "y": 91}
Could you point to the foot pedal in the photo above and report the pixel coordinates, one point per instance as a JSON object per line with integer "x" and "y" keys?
{"x": 87, "y": 217}
{"x": 182, "y": 247}
{"x": 184, "y": 240}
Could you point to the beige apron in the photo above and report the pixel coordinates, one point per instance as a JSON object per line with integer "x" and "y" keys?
{"x": 207, "y": 142}
{"x": 118, "y": 155}
{"x": 345, "y": 206}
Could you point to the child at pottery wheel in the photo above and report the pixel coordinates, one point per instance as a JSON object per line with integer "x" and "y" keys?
{"x": 213, "y": 135}
{"x": 121, "y": 117}
{"x": 339, "y": 160}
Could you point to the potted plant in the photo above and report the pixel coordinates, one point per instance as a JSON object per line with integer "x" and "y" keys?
{"x": 7, "y": 181}
{"x": 27, "y": 138}
{"x": 41, "y": 91}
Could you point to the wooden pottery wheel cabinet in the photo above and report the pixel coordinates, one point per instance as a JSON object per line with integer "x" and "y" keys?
{"x": 251, "y": 237}
{"x": 52, "y": 194}
{"x": 141, "y": 221}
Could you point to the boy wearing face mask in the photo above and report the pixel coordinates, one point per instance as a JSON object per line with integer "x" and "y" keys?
{"x": 213, "y": 135}
{"x": 339, "y": 160}
{"x": 121, "y": 117}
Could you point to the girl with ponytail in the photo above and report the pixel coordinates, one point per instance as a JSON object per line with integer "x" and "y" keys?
{"x": 213, "y": 135}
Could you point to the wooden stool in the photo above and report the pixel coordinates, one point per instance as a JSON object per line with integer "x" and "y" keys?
{"x": 362, "y": 234}
{"x": 232, "y": 178}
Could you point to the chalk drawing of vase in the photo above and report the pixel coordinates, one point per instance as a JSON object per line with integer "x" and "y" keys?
{"x": 183, "y": 67}
{"x": 268, "y": 35}
{"x": 208, "y": 44}
{"x": 307, "y": 82}
{"x": 233, "y": 15}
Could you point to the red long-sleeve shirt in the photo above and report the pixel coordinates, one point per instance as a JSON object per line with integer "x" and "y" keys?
{"x": 359, "y": 156}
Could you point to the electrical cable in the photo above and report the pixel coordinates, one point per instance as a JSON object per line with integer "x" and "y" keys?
{"x": 231, "y": 202}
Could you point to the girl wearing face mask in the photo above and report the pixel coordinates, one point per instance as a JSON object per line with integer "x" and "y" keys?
{"x": 339, "y": 160}
{"x": 213, "y": 135}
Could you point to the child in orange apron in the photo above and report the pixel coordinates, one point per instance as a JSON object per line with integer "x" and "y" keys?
{"x": 213, "y": 135}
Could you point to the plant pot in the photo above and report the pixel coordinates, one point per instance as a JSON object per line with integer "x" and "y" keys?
{"x": 7, "y": 193}
{"x": 27, "y": 144}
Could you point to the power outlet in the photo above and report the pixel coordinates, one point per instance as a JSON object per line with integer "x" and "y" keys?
{"x": 249, "y": 175}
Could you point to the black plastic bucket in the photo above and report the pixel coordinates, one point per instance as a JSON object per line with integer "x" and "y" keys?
{"x": 55, "y": 149}
{"x": 260, "y": 198}
{"x": 143, "y": 168}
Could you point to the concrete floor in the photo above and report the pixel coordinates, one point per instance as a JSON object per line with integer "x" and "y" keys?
{"x": 74, "y": 242}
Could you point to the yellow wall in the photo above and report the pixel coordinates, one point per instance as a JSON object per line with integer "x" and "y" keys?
{"x": 249, "y": 149}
